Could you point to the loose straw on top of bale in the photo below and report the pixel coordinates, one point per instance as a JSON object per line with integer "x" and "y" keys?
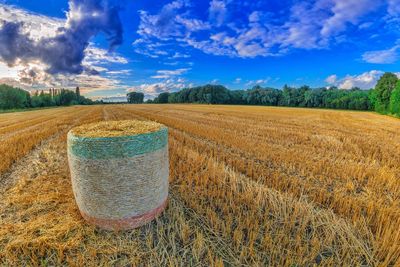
{"x": 115, "y": 128}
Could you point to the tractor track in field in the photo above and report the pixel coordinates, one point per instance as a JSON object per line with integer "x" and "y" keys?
{"x": 272, "y": 210}
{"x": 106, "y": 113}
{"x": 242, "y": 155}
{"x": 218, "y": 244}
{"x": 286, "y": 172}
{"x": 109, "y": 114}
{"x": 21, "y": 168}
{"x": 31, "y": 166}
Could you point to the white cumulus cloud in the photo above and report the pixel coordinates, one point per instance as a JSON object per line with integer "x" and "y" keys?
{"x": 165, "y": 74}
{"x": 314, "y": 24}
{"x": 366, "y": 80}
{"x": 387, "y": 56}
{"x": 331, "y": 79}
{"x": 152, "y": 90}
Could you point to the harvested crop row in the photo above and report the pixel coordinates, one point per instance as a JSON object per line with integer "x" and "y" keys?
{"x": 256, "y": 221}
{"x": 20, "y": 119}
{"x": 17, "y": 146}
{"x": 294, "y": 158}
{"x": 247, "y": 223}
{"x": 303, "y": 175}
{"x": 52, "y": 232}
{"x": 185, "y": 142}
{"x": 229, "y": 158}
{"x": 225, "y": 221}
{"x": 288, "y": 181}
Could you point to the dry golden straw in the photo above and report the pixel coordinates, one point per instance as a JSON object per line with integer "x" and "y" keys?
{"x": 249, "y": 186}
{"x": 116, "y": 128}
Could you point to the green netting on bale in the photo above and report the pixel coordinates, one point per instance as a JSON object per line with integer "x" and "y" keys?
{"x": 116, "y": 147}
{"x": 119, "y": 182}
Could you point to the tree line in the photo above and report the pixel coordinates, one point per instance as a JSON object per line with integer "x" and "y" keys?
{"x": 384, "y": 98}
{"x": 16, "y": 98}
{"x": 304, "y": 96}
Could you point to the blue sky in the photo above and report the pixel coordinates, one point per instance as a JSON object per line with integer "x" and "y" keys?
{"x": 167, "y": 45}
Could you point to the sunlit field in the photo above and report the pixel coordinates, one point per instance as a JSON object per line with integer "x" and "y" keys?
{"x": 249, "y": 185}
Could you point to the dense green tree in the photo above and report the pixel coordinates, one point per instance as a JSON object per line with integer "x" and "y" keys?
{"x": 17, "y": 98}
{"x": 162, "y": 98}
{"x": 208, "y": 94}
{"x": 383, "y": 91}
{"x": 85, "y": 101}
{"x": 173, "y": 98}
{"x": 294, "y": 97}
{"x": 304, "y": 96}
{"x": 11, "y": 97}
{"x": 395, "y": 100}
{"x": 78, "y": 94}
{"x": 237, "y": 97}
{"x": 65, "y": 98}
{"x": 135, "y": 97}
{"x": 36, "y": 101}
{"x": 47, "y": 99}
{"x": 372, "y": 98}
{"x": 42, "y": 100}
{"x": 215, "y": 94}
{"x": 262, "y": 96}
{"x": 314, "y": 98}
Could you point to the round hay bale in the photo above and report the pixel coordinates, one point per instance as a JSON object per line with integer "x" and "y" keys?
{"x": 119, "y": 172}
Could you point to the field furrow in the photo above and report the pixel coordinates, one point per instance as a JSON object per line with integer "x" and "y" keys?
{"x": 15, "y": 146}
{"x": 249, "y": 186}
{"x": 365, "y": 194}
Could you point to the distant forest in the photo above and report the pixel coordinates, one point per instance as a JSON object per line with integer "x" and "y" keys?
{"x": 384, "y": 98}
{"x": 289, "y": 97}
{"x": 15, "y": 98}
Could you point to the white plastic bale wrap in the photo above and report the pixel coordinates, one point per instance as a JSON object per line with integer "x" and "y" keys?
{"x": 120, "y": 182}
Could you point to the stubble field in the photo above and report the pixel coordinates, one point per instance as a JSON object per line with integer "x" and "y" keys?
{"x": 249, "y": 186}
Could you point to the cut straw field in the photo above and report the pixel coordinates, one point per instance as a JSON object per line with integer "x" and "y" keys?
{"x": 250, "y": 186}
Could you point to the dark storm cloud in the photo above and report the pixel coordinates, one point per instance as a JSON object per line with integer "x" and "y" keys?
{"x": 64, "y": 52}
{"x": 13, "y": 44}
